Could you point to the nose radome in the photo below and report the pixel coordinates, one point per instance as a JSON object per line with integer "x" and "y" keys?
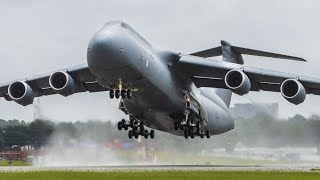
{"x": 100, "y": 49}
{"x": 101, "y": 42}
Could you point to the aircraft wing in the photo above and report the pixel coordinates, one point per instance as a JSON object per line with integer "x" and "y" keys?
{"x": 83, "y": 78}
{"x": 211, "y": 73}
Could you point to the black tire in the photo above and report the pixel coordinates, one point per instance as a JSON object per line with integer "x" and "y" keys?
{"x": 125, "y": 127}
{"x": 129, "y": 94}
{"x": 119, "y": 125}
{"x": 192, "y": 135}
{"x": 123, "y": 94}
{"x": 130, "y": 134}
{"x": 208, "y": 133}
{"x": 152, "y": 134}
{"x": 131, "y": 123}
{"x": 135, "y": 129}
{"x": 186, "y": 134}
{"x": 146, "y": 134}
{"x": 123, "y": 121}
{"x": 142, "y": 126}
{"x": 117, "y": 93}
{"x": 136, "y": 136}
{"x": 111, "y": 94}
{"x": 198, "y": 126}
{"x": 201, "y": 136}
{"x": 175, "y": 125}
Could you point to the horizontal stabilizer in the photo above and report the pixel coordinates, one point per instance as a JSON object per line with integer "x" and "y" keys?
{"x": 217, "y": 51}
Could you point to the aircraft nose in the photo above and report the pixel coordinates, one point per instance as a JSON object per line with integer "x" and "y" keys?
{"x": 100, "y": 49}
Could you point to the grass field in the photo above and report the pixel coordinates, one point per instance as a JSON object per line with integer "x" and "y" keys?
{"x": 14, "y": 163}
{"x": 155, "y": 175}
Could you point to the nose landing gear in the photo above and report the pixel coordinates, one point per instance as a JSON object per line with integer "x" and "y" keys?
{"x": 120, "y": 93}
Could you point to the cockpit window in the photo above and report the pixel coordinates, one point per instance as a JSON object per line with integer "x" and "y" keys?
{"x": 126, "y": 26}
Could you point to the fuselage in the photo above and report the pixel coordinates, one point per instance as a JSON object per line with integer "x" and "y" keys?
{"x": 118, "y": 56}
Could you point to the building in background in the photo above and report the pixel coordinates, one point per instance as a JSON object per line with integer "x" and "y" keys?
{"x": 249, "y": 110}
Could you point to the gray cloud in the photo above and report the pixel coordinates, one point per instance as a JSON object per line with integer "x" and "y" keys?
{"x": 40, "y": 36}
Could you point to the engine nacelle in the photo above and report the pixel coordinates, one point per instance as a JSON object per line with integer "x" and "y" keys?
{"x": 238, "y": 82}
{"x": 21, "y": 93}
{"x": 62, "y": 83}
{"x": 293, "y": 91}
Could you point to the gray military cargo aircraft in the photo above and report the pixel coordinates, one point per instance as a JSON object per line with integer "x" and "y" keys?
{"x": 183, "y": 94}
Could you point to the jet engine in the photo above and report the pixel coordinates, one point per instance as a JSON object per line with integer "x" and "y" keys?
{"x": 62, "y": 83}
{"x": 293, "y": 91}
{"x": 238, "y": 82}
{"x": 21, "y": 93}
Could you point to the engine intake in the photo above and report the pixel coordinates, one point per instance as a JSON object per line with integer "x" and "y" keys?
{"x": 21, "y": 93}
{"x": 293, "y": 91}
{"x": 238, "y": 82}
{"x": 62, "y": 83}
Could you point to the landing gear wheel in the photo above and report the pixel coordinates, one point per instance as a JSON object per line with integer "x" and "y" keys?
{"x": 117, "y": 93}
{"x": 208, "y": 133}
{"x": 142, "y": 126}
{"x": 129, "y": 94}
{"x": 198, "y": 127}
{"x": 201, "y": 136}
{"x": 192, "y": 135}
{"x": 136, "y": 136}
{"x": 123, "y": 94}
{"x": 119, "y": 125}
{"x": 146, "y": 134}
{"x": 123, "y": 124}
{"x": 175, "y": 125}
{"x": 131, "y": 123}
{"x": 186, "y": 135}
{"x": 152, "y": 134}
{"x": 130, "y": 134}
{"x": 111, "y": 94}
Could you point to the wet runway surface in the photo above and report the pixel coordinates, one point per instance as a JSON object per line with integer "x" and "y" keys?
{"x": 165, "y": 168}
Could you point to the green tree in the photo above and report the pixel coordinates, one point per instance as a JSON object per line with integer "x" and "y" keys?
{"x": 1, "y": 141}
{"x": 39, "y": 132}
{"x": 67, "y": 128}
{"x": 15, "y": 135}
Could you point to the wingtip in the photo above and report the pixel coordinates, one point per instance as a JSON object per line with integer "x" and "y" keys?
{"x": 301, "y": 59}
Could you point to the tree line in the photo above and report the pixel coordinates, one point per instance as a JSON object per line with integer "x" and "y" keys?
{"x": 260, "y": 131}
{"x": 19, "y": 133}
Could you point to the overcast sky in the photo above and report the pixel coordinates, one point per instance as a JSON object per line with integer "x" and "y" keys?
{"x": 40, "y": 36}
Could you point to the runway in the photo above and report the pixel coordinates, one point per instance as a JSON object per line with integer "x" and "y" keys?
{"x": 285, "y": 167}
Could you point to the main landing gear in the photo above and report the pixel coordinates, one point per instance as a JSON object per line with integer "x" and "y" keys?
{"x": 120, "y": 93}
{"x": 191, "y": 129}
{"x": 137, "y": 128}
{"x": 192, "y": 124}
